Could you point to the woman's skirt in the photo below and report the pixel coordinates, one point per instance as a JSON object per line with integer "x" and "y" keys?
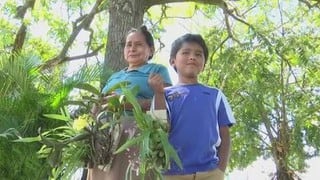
{"x": 123, "y": 163}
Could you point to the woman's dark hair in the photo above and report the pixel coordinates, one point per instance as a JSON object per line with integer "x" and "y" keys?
{"x": 190, "y": 38}
{"x": 149, "y": 39}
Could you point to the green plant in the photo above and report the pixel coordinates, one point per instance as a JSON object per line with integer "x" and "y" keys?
{"x": 155, "y": 151}
{"x": 21, "y": 102}
{"x": 84, "y": 140}
{"x": 91, "y": 138}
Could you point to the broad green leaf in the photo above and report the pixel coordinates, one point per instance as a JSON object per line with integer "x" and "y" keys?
{"x": 55, "y": 157}
{"x": 28, "y": 139}
{"x": 88, "y": 87}
{"x": 144, "y": 146}
{"x": 105, "y": 125}
{"x": 118, "y": 86}
{"x": 169, "y": 150}
{"x": 57, "y": 117}
{"x": 129, "y": 143}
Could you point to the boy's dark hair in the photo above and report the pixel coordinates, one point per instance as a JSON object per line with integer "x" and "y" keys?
{"x": 193, "y": 38}
{"x": 148, "y": 36}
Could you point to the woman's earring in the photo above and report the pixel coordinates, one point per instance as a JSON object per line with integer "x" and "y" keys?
{"x": 174, "y": 67}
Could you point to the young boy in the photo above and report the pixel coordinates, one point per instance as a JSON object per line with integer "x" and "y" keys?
{"x": 199, "y": 116}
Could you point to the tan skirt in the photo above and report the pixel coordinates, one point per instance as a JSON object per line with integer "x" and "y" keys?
{"x": 123, "y": 160}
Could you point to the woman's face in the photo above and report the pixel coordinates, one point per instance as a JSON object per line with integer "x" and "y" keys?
{"x": 136, "y": 50}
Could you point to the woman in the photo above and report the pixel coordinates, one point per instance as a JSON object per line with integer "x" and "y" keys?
{"x": 138, "y": 50}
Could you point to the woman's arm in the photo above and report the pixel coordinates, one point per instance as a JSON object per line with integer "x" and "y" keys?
{"x": 145, "y": 104}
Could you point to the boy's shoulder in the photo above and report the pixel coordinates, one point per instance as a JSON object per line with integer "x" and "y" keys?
{"x": 200, "y": 87}
{"x": 210, "y": 87}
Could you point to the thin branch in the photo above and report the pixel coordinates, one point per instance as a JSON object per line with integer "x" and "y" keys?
{"x": 252, "y": 7}
{"x": 213, "y": 53}
{"x": 281, "y": 19}
{"x": 84, "y": 56}
{"x": 219, "y": 46}
{"x": 90, "y": 41}
{"x": 163, "y": 12}
{"x": 212, "y": 2}
{"x": 263, "y": 139}
{"x": 84, "y": 23}
{"x": 251, "y": 27}
{"x": 230, "y": 34}
{"x": 309, "y": 5}
{"x": 162, "y": 16}
{"x": 53, "y": 62}
{"x": 269, "y": 128}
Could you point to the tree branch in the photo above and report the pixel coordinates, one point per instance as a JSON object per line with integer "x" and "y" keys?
{"x": 21, "y": 34}
{"x": 309, "y": 5}
{"x": 55, "y": 61}
{"x": 93, "y": 53}
{"x": 249, "y": 9}
{"x": 212, "y": 2}
{"x": 82, "y": 22}
{"x": 230, "y": 34}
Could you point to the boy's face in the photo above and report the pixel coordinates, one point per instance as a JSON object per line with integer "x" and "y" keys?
{"x": 189, "y": 60}
{"x": 136, "y": 50}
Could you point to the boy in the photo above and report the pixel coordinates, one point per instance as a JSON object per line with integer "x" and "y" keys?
{"x": 199, "y": 116}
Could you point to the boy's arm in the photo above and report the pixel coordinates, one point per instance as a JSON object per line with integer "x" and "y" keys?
{"x": 159, "y": 102}
{"x": 225, "y": 148}
{"x": 156, "y": 83}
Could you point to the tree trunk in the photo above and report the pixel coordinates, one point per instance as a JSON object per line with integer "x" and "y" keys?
{"x": 123, "y": 15}
{"x": 280, "y": 154}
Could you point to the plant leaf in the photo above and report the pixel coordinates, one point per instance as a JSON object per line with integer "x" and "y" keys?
{"x": 88, "y": 87}
{"x": 119, "y": 85}
{"x": 57, "y": 117}
{"x": 129, "y": 143}
{"x": 169, "y": 150}
{"x": 28, "y": 139}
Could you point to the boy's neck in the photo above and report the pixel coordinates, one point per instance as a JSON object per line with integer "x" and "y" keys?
{"x": 187, "y": 81}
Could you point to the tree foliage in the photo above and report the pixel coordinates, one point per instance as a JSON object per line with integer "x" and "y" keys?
{"x": 267, "y": 66}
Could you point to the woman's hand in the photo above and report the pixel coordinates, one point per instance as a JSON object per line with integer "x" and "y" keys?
{"x": 156, "y": 83}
